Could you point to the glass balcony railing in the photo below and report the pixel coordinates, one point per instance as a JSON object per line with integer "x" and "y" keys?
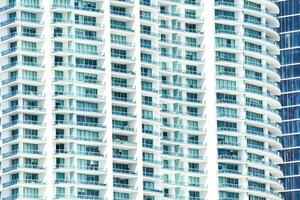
{"x": 20, "y": 151}
{"x": 122, "y": 99}
{"x": 26, "y": 49}
{"x": 14, "y": 64}
{"x": 123, "y": 185}
{"x": 122, "y": 42}
{"x": 15, "y": 137}
{"x": 123, "y": 28}
{"x": 22, "y": 78}
{"x": 91, "y": 182}
{"x": 123, "y": 128}
{"x": 88, "y": 8}
{"x": 27, "y": 93}
{"x": 12, "y": 20}
{"x": 25, "y": 166}
{"x": 224, "y": 3}
{"x": 148, "y": 3}
{"x": 15, "y": 34}
{"x": 23, "y": 196}
{"x": 121, "y": 13}
{"x": 25, "y": 122}
{"x": 25, "y": 5}
{"x": 126, "y": 157}
{"x": 123, "y": 171}
{"x": 31, "y": 108}
{"x": 229, "y": 171}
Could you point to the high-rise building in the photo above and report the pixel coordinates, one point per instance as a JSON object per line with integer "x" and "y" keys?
{"x": 132, "y": 100}
{"x": 290, "y": 98}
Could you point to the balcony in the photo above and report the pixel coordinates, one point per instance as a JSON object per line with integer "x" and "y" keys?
{"x": 88, "y": 23}
{"x": 229, "y": 185}
{"x": 230, "y": 157}
{"x": 25, "y": 181}
{"x": 16, "y": 137}
{"x": 152, "y": 189}
{"x": 122, "y": 185}
{"x": 23, "y": 5}
{"x": 20, "y": 151}
{"x": 15, "y": 64}
{"x": 126, "y": 157}
{"x": 25, "y": 122}
{"x": 90, "y": 153}
{"x": 20, "y": 196}
{"x": 124, "y": 99}
{"x": 26, "y": 20}
{"x": 120, "y": 13}
{"x": 148, "y": 3}
{"x": 15, "y": 34}
{"x": 90, "y": 182}
{"x": 21, "y": 49}
{"x": 124, "y": 171}
{"x": 28, "y": 108}
{"x": 88, "y": 8}
{"x": 151, "y": 175}
{"x": 123, "y": 128}
{"x": 122, "y": 28}
{"x": 224, "y": 3}
{"x": 25, "y": 166}
{"x": 22, "y": 78}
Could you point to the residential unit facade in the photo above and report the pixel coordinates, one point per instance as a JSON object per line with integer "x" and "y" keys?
{"x": 289, "y": 72}
{"x": 131, "y": 100}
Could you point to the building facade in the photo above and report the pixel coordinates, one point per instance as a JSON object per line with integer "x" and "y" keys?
{"x": 131, "y": 100}
{"x": 290, "y": 73}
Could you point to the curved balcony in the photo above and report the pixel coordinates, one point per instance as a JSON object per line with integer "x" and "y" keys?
{"x": 263, "y": 192}
{"x": 272, "y": 167}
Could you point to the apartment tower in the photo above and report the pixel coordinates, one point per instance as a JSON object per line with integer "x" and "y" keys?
{"x": 132, "y": 100}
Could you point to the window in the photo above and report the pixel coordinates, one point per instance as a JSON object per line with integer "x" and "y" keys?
{"x": 85, "y": 20}
{"x": 85, "y": 48}
{"x": 118, "y": 25}
{"x": 85, "y": 34}
{"x": 225, "y": 70}
{"x": 253, "y": 47}
{"x": 252, "y": 19}
{"x": 226, "y": 84}
{"x": 225, "y": 56}
{"x": 190, "y": 14}
{"x": 226, "y": 98}
{"x": 226, "y": 112}
{"x": 222, "y": 28}
{"x": 224, "y": 42}
{"x": 31, "y": 192}
{"x": 118, "y": 39}
{"x": 223, "y": 14}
